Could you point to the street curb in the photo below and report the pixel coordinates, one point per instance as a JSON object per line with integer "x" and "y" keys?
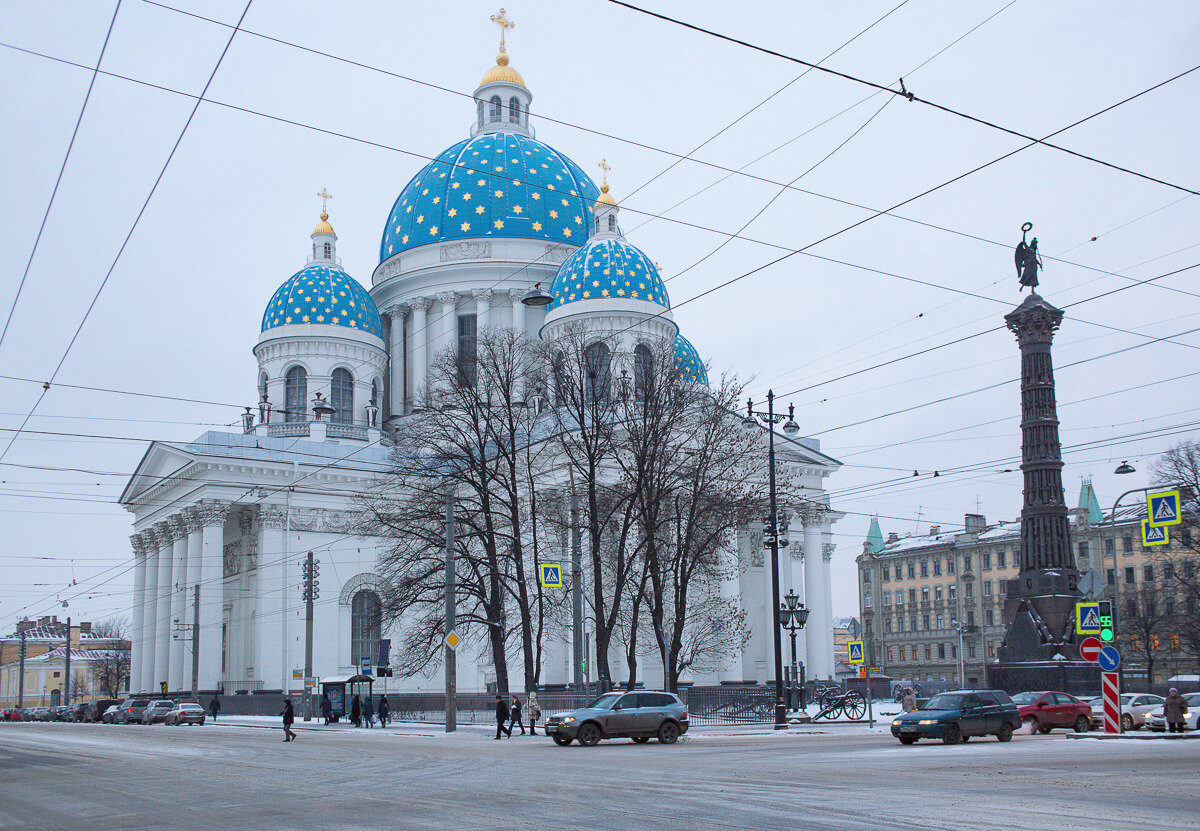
{"x": 1132, "y": 736}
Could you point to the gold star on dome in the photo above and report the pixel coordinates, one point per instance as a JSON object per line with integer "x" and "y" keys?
{"x": 454, "y": 185}
{"x": 537, "y": 226}
{"x": 536, "y": 195}
{"x": 499, "y": 223}
{"x": 466, "y": 226}
{"x": 420, "y": 219}
{"x": 498, "y": 194}
{"x": 425, "y": 192}
{"x": 404, "y": 239}
{"x": 437, "y": 199}
{"x": 554, "y": 214}
{"x": 482, "y": 182}
{"x": 566, "y": 232}
{"x": 433, "y": 230}
{"x": 517, "y": 209}
{"x": 408, "y": 210}
{"x": 453, "y": 212}
{"x": 305, "y": 318}
{"x": 466, "y": 197}
{"x": 479, "y": 209}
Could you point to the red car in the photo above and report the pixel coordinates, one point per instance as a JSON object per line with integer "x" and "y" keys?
{"x": 1043, "y": 711}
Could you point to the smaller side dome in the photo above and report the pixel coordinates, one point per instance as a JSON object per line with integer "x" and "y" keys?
{"x": 323, "y": 227}
{"x": 688, "y": 366}
{"x": 502, "y": 73}
{"x": 323, "y": 295}
{"x": 608, "y": 269}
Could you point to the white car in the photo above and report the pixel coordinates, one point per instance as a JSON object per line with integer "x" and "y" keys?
{"x": 1135, "y": 707}
{"x": 1191, "y": 713}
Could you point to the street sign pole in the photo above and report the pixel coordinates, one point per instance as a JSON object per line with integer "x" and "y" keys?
{"x": 196, "y": 644}
{"x": 450, "y": 655}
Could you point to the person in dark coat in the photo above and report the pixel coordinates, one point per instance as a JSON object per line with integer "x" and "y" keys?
{"x": 502, "y": 717}
{"x": 1173, "y": 707}
{"x": 385, "y": 711}
{"x": 356, "y": 712}
{"x": 289, "y": 716}
{"x": 214, "y": 707}
{"x": 515, "y": 715}
{"x": 368, "y": 712}
{"x": 326, "y": 707}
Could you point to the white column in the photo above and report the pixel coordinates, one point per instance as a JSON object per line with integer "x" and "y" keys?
{"x": 137, "y": 653}
{"x": 396, "y": 382}
{"x": 145, "y": 679}
{"x": 731, "y": 591}
{"x": 518, "y": 309}
{"x": 483, "y": 308}
{"x": 419, "y": 339}
{"x": 449, "y": 320}
{"x": 195, "y": 551}
{"x": 268, "y": 653}
{"x": 211, "y": 518}
{"x": 814, "y": 593}
{"x": 165, "y": 535}
{"x": 178, "y": 595}
{"x": 827, "y": 589}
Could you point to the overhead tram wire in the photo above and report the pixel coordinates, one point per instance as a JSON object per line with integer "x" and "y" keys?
{"x": 58, "y": 179}
{"x": 141, "y": 212}
{"x": 908, "y": 95}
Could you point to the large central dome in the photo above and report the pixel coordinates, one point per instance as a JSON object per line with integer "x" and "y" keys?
{"x": 492, "y": 185}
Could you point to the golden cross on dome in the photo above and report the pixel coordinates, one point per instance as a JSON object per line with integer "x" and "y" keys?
{"x": 324, "y": 197}
{"x": 605, "y": 166}
{"x": 504, "y": 23}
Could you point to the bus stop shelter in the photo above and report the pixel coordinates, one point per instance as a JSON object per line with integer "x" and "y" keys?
{"x": 341, "y": 691}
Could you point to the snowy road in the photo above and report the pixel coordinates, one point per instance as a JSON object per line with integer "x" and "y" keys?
{"x": 66, "y": 776}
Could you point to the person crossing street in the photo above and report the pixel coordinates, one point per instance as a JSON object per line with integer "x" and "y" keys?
{"x": 515, "y": 715}
{"x": 289, "y": 716}
{"x": 501, "y": 717}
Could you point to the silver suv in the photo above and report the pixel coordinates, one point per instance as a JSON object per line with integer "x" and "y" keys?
{"x": 640, "y": 716}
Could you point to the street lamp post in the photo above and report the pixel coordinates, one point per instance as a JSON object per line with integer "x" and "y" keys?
{"x": 752, "y": 419}
{"x": 960, "y": 628}
{"x": 793, "y": 616}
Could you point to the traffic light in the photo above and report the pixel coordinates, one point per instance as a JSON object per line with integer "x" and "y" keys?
{"x": 1107, "y": 630}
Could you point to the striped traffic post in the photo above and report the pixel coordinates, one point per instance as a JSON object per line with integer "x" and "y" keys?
{"x": 1111, "y": 685}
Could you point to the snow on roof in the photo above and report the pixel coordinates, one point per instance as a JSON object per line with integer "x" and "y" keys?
{"x": 924, "y": 541}
{"x": 1001, "y": 530}
{"x": 77, "y": 655}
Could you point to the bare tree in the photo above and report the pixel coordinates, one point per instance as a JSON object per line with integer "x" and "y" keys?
{"x": 110, "y": 668}
{"x": 115, "y": 627}
{"x": 1179, "y": 562}
{"x": 1144, "y": 625}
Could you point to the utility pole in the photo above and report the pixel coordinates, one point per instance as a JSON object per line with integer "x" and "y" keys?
{"x": 196, "y": 644}
{"x": 576, "y": 595}
{"x": 312, "y": 591}
{"x": 21, "y": 680}
{"x": 67, "y": 668}
{"x": 451, "y": 663}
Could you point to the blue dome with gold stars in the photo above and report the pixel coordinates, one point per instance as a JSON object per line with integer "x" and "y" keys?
{"x": 608, "y": 268}
{"x": 323, "y": 295}
{"x": 688, "y": 365}
{"x": 492, "y": 185}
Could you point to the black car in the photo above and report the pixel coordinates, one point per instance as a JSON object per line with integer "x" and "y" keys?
{"x": 95, "y": 710}
{"x": 76, "y": 711}
{"x": 955, "y": 716}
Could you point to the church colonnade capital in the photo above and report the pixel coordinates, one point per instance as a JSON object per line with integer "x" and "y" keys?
{"x": 812, "y": 514}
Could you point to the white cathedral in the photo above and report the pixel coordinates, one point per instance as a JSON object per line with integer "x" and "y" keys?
{"x": 339, "y": 365}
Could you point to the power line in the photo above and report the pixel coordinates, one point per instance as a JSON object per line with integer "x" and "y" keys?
{"x": 903, "y": 93}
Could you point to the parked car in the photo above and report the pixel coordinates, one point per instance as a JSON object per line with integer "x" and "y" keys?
{"x": 76, "y": 711}
{"x": 157, "y": 711}
{"x": 39, "y": 714}
{"x": 955, "y": 716}
{"x": 640, "y": 716}
{"x": 10, "y": 714}
{"x": 111, "y": 715}
{"x": 131, "y": 710}
{"x": 1134, "y": 709}
{"x": 185, "y": 714}
{"x": 95, "y": 710}
{"x": 1041, "y": 712}
{"x": 56, "y": 712}
{"x": 1191, "y": 714}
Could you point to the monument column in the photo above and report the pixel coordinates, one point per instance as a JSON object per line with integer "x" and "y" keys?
{"x": 396, "y": 379}
{"x": 211, "y": 517}
{"x": 195, "y": 550}
{"x": 827, "y": 550}
{"x": 178, "y": 598}
{"x": 137, "y": 644}
{"x": 518, "y": 310}
{"x": 145, "y": 680}
{"x": 420, "y": 349}
{"x": 813, "y": 516}
{"x": 483, "y": 308}
{"x": 268, "y": 653}
{"x": 164, "y": 535}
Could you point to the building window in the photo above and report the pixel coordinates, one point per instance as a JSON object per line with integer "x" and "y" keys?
{"x": 1083, "y": 549}
{"x": 1148, "y": 572}
{"x": 952, "y": 590}
{"x": 900, "y": 624}
{"x": 949, "y": 565}
{"x": 987, "y": 588}
{"x": 868, "y": 629}
{"x": 328, "y": 250}
{"x": 1168, "y": 571}
{"x": 1130, "y": 576}
{"x": 1174, "y": 643}
{"x": 966, "y": 562}
{"x": 364, "y": 627}
{"x": 937, "y": 568}
{"x": 598, "y": 371}
{"x": 494, "y": 110}
{"x": 341, "y": 397}
{"x": 612, "y": 223}
{"x": 885, "y": 573}
{"x": 887, "y": 598}
{"x": 989, "y": 617}
{"x": 903, "y": 651}
{"x": 928, "y": 652}
{"x": 970, "y": 617}
{"x": 1189, "y": 569}
{"x": 985, "y": 561}
{"x": 912, "y": 571}
{"x": 867, "y": 576}
{"x": 867, "y": 601}
{"x": 969, "y": 590}
{"x": 925, "y": 594}
{"x": 467, "y": 350}
{"x": 991, "y": 650}
{"x": 970, "y": 650}
{"x": 937, "y": 592}
{"x": 954, "y": 651}
{"x": 1110, "y": 548}
{"x": 889, "y": 654}
{"x": 899, "y": 576}
{"x": 924, "y": 568}
{"x": 912, "y": 595}
{"x": 913, "y": 623}
{"x": 1001, "y": 559}
{"x": 1127, "y": 544}
{"x": 295, "y": 394}
{"x": 514, "y": 110}
{"x": 941, "y": 651}
{"x": 925, "y": 621}
{"x": 643, "y": 371}
{"x": 1134, "y": 642}
{"x": 941, "y": 622}
{"x": 887, "y": 626}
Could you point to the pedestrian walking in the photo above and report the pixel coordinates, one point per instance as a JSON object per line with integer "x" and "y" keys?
{"x": 289, "y": 716}
{"x": 385, "y": 711}
{"x": 356, "y": 711}
{"x": 502, "y": 717}
{"x": 368, "y": 712}
{"x": 535, "y": 712}
{"x": 910, "y": 700}
{"x": 326, "y": 708}
{"x": 515, "y": 715}
{"x": 1173, "y": 708}
{"x": 214, "y": 707}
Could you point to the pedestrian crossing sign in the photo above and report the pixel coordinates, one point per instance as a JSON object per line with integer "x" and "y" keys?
{"x": 1087, "y": 619}
{"x": 1163, "y": 508}
{"x": 856, "y": 652}
{"x": 551, "y": 576}
{"x": 1154, "y": 534}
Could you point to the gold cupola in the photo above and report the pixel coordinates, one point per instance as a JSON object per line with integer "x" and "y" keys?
{"x": 502, "y": 73}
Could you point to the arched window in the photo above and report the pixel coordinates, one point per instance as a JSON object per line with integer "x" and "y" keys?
{"x": 643, "y": 371}
{"x": 296, "y": 394}
{"x": 514, "y": 110}
{"x": 262, "y": 386}
{"x": 374, "y": 390}
{"x": 328, "y": 250}
{"x": 597, "y": 367}
{"x": 341, "y": 397}
{"x": 480, "y": 108}
{"x": 612, "y": 222}
{"x": 597, "y": 225}
{"x": 364, "y": 627}
{"x": 494, "y": 110}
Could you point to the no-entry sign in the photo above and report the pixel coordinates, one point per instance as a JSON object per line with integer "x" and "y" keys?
{"x": 1090, "y": 649}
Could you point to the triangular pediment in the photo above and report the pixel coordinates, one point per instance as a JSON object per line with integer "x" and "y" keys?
{"x": 161, "y": 461}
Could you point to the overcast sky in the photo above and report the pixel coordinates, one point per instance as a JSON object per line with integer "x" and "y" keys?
{"x": 230, "y": 221}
